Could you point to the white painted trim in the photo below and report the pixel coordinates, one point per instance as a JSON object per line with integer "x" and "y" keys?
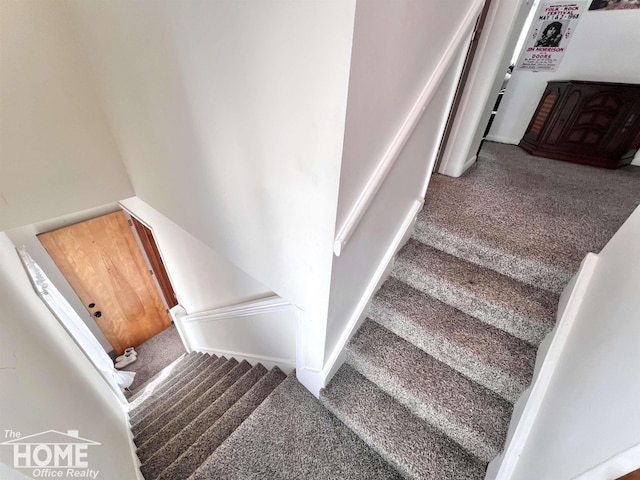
{"x": 262, "y": 306}
{"x": 336, "y": 358}
{"x": 132, "y": 448}
{"x": 404, "y": 133}
{"x": 145, "y": 257}
{"x": 468, "y": 163}
{"x": 500, "y": 139}
{"x": 177, "y": 313}
{"x": 614, "y": 467}
{"x": 270, "y": 304}
{"x": 503, "y": 467}
{"x": 287, "y": 365}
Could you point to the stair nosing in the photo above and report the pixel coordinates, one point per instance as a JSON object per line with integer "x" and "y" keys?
{"x": 453, "y": 420}
{"x": 501, "y": 313}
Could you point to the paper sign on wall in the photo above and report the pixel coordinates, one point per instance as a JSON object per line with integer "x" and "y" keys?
{"x": 549, "y": 36}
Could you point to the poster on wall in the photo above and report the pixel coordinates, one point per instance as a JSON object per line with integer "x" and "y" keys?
{"x": 614, "y": 4}
{"x": 549, "y": 36}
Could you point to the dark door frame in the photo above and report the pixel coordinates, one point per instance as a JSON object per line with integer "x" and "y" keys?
{"x": 152, "y": 252}
{"x": 462, "y": 82}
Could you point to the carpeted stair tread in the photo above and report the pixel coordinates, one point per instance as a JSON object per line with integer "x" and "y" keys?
{"x": 470, "y": 414}
{"x": 517, "y": 308}
{"x": 486, "y": 354}
{"x": 217, "y": 433}
{"x": 291, "y": 435}
{"x": 194, "y": 389}
{"x": 168, "y": 444}
{"x": 527, "y": 217}
{"x": 417, "y": 449}
{"x": 178, "y": 390}
{"x": 156, "y": 380}
{"x": 189, "y": 363}
{"x": 489, "y": 254}
{"x": 139, "y": 404}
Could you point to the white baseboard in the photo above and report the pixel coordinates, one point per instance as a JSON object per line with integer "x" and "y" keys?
{"x": 133, "y": 449}
{"x": 315, "y": 381}
{"x": 468, "y": 164}
{"x": 526, "y": 408}
{"x": 615, "y": 467}
{"x": 500, "y": 139}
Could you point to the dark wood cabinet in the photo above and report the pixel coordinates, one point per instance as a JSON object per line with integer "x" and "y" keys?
{"x": 592, "y": 123}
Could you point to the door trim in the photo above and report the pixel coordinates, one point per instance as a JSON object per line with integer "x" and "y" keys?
{"x": 146, "y": 239}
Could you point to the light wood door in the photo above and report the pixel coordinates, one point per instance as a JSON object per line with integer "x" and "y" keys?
{"x": 101, "y": 260}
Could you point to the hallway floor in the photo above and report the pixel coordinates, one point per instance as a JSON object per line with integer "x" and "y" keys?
{"x": 153, "y": 355}
{"x": 514, "y": 205}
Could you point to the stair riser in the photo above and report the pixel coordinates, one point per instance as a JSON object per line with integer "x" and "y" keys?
{"x": 527, "y": 329}
{"x": 473, "y": 367}
{"x": 537, "y": 274}
{"x": 179, "y": 435}
{"x": 137, "y": 406}
{"x": 416, "y": 449}
{"x": 179, "y": 390}
{"x": 210, "y": 378}
{"x": 176, "y": 383}
{"x": 466, "y": 437}
{"x": 193, "y": 458}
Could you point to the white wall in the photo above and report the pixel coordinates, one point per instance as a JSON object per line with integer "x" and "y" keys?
{"x": 590, "y": 412}
{"x": 230, "y": 119}
{"x": 26, "y": 235}
{"x": 498, "y": 38}
{"x": 56, "y": 151}
{"x": 603, "y": 48}
{"x": 202, "y": 278}
{"x": 398, "y": 47}
{"x": 46, "y": 381}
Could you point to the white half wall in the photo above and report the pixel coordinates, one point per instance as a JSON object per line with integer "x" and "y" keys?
{"x": 57, "y": 153}
{"x": 47, "y": 383}
{"x": 588, "y": 425}
{"x": 262, "y": 331}
{"x": 202, "y": 278}
{"x": 608, "y": 60}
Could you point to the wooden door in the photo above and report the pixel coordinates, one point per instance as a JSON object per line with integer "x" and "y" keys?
{"x": 101, "y": 260}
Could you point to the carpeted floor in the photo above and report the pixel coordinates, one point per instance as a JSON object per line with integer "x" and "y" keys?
{"x": 546, "y": 213}
{"x": 154, "y": 355}
{"x": 430, "y": 379}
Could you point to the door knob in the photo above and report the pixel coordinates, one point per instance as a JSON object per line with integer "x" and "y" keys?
{"x": 91, "y": 305}
{"x": 98, "y": 314}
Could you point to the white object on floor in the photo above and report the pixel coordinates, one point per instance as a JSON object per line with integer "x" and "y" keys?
{"x": 126, "y": 361}
{"x": 127, "y": 352}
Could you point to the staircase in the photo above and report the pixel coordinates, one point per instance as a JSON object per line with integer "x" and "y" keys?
{"x": 431, "y": 377}
{"x": 194, "y": 410}
{"x": 206, "y": 417}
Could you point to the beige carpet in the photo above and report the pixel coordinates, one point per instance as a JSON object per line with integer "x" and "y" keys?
{"x": 155, "y": 354}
